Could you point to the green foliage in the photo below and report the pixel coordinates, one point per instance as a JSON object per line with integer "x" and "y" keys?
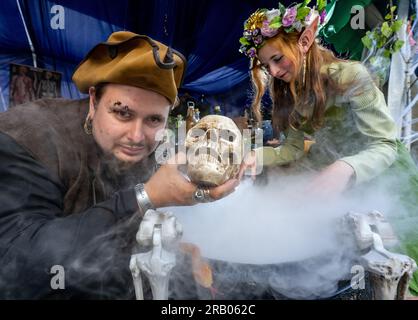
{"x": 386, "y": 30}
{"x": 276, "y": 22}
{"x": 321, "y": 4}
{"x": 244, "y": 41}
{"x": 282, "y": 9}
{"x": 396, "y": 26}
{"x": 302, "y": 13}
{"x": 367, "y": 40}
{"x": 397, "y": 45}
{"x": 384, "y": 37}
{"x": 386, "y": 53}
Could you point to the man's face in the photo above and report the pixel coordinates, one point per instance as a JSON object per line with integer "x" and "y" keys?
{"x": 126, "y": 120}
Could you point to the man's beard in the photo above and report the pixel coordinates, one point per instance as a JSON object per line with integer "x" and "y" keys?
{"x": 119, "y": 166}
{"x": 141, "y": 169}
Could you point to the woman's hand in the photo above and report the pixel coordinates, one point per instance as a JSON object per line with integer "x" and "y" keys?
{"x": 169, "y": 187}
{"x": 249, "y": 163}
{"x": 333, "y": 180}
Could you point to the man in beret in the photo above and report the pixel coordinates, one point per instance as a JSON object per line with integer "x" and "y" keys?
{"x": 76, "y": 176}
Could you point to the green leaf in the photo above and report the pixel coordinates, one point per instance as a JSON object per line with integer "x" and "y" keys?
{"x": 387, "y": 53}
{"x": 386, "y": 30}
{"x": 244, "y": 41}
{"x": 305, "y": 3}
{"x": 275, "y": 25}
{"x": 388, "y": 16}
{"x": 380, "y": 41}
{"x": 397, "y": 25}
{"x": 321, "y": 4}
{"x": 275, "y": 20}
{"x": 282, "y": 9}
{"x": 392, "y": 9}
{"x": 375, "y": 35}
{"x": 367, "y": 42}
{"x": 397, "y": 45}
{"x": 302, "y": 13}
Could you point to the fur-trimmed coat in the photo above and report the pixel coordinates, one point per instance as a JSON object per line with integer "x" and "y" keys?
{"x": 62, "y": 203}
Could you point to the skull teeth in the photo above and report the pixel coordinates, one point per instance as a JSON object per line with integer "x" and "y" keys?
{"x": 209, "y": 156}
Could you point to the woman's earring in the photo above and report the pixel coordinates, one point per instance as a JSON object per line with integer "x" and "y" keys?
{"x": 88, "y": 126}
{"x": 304, "y": 71}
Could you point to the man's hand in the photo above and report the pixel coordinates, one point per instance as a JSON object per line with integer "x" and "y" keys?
{"x": 169, "y": 187}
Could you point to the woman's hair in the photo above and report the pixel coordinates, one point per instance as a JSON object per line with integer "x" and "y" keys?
{"x": 310, "y": 98}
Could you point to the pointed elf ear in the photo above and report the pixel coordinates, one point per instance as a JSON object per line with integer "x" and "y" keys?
{"x": 308, "y": 35}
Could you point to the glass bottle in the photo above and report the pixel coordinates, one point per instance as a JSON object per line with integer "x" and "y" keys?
{"x": 217, "y": 110}
{"x": 190, "y": 115}
{"x": 196, "y": 116}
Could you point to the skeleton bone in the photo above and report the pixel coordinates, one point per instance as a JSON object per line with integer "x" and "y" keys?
{"x": 363, "y": 224}
{"x": 390, "y": 272}
{"x": 214, "y": 150}
{"x": 161, "y": 231}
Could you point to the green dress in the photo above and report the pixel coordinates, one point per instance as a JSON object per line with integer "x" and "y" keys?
{"x": 359, "y": 130}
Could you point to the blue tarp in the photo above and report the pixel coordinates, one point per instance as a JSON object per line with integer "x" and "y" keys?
{"x": 205, "y": 31}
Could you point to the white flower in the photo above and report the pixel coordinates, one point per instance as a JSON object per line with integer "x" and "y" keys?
{"x": 311, "y": 17}
{"x": 298, "y": 26}
{"x": 271, "y": 14}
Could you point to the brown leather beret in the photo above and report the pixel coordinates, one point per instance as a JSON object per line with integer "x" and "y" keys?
{"x": 132, "y": 59}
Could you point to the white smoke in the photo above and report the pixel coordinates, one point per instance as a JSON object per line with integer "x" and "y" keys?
{"x": 277, "y": 225}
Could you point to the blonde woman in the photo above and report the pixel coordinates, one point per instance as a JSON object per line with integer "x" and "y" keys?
{"x": 333, "y": 101}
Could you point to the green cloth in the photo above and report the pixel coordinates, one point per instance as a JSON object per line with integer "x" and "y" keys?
{"x": 359, "y": 130}
{"x": 339, "y": 32}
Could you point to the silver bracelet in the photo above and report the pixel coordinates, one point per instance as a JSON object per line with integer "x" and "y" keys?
{"x": 144, "y": 202}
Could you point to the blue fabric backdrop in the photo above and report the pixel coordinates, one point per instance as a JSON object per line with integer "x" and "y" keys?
{"x": 205, "y": 31}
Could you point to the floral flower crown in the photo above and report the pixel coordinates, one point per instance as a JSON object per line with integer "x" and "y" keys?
{"x": 264, "y": 24}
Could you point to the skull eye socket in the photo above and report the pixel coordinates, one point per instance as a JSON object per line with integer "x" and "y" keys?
{"x": 196, "y": 133}
{"x": 212, "y": 134}
{"x": 228, "y": 135}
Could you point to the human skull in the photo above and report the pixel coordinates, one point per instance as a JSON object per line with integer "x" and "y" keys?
{"x": 213, "y": 150}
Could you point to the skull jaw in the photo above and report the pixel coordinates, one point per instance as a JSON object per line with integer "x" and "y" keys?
{"x": 209, "y": 175}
